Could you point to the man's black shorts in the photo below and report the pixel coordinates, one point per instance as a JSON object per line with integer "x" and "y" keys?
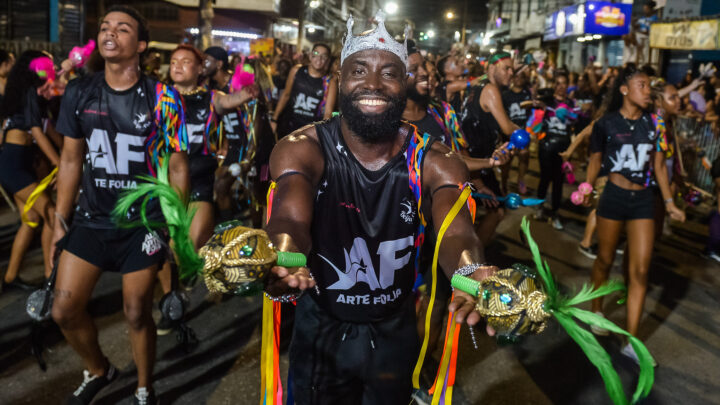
{"x": 120, "y": 250}
{"x": 336, "y": 362}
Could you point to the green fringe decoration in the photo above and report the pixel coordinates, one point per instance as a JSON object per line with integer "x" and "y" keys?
{"x": 178, "y": 217}
{"x": 564, "y": 310}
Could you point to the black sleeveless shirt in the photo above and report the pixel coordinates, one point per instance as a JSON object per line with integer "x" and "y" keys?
{"x": 480, "y": 127}
{"x": 364, "y": 226}
{"x": 304, "y": 106}
{"x": 116, "y": 126}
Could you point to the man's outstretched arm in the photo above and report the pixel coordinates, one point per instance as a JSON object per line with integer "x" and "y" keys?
{"x": 444, "y": 171}
{"x": 296, "y": 165}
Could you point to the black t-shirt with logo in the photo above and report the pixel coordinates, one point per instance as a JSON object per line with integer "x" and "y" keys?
{"x": 116, "y": 126}
{"x": 305, "y": 103}
{"x": 363, "y": 232}
{"x": 555, "y": 125}
{"x": 625, "y": 151}
{"x": 203, "y": 143}
{"x": 512, "y": 101}
{"x": 233, "y": 132}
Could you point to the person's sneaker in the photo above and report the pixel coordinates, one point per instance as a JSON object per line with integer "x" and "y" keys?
{"x": 556, "y": 223}
{"x": 91, "y": 385}
{"x": 421, "y": 397}
{"x": 539, "y": 213}
{"x": 629, "y": 352}
{"x": 164, "y": 326}
{"x": 590, "y": 252}
{"x": 598, "y": 331}
{"x": 144, "y": 397}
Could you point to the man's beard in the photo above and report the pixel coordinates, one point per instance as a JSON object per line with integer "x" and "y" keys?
{"x": 372, "y": 128}
{"x": 420, "y": 99}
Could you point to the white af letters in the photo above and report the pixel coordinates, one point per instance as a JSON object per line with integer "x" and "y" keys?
{"x": 359, "y": 266}
{"x": 101, "y": 152}
{"x": 626, "y": 158}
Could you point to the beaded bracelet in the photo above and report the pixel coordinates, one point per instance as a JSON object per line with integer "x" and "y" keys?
{"x": 285, "y": 298}
{"x": 469, "y": 269}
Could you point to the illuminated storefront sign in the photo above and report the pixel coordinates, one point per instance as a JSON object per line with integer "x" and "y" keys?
{"x": 605, "y": 18}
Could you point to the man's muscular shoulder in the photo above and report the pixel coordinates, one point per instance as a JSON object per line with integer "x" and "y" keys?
{"x": 442, "y": 166}
{"x": 298, "y": 152}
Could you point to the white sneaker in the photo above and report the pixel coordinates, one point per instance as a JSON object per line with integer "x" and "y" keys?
{"x": 556, "y": 223}
{"x": 629, "y": 351}
{"x": 598, "y": 331}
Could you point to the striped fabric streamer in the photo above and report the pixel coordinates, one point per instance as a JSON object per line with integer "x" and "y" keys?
{"x": 663, "y": 144}
{"x": 213, "y": 129}
{"x": 415, "y": 155}
{"x": 321, "y": 107}
{"x": 534, "y": 123}
{"x": 448, "y": 121}
{"x": 248, "y": 122}
{"x": 169, "y": 131}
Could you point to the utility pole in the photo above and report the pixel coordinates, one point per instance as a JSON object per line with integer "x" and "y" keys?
{"x": 464, "y": 20}
{"x": 301, "y": 27}
{"x": 205, "y": 14}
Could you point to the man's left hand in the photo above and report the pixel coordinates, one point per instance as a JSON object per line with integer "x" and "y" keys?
{"x": 463, "y": 304}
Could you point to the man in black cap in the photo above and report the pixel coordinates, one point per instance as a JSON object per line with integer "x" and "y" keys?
{"x": 215, "y": 67}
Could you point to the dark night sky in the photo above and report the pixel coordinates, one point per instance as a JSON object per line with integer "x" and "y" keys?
{"x": 431, "y": 14}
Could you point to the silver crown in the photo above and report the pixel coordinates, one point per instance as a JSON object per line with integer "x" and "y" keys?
{"x": 378, "y": 39}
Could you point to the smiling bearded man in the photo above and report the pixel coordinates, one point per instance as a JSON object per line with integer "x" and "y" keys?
{"x": 343, "y": 197}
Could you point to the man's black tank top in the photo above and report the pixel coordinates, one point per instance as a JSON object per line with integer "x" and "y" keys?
{"x": 480, "y": 127}
{"x": 364, "y": 226}
{"x": 304, "y": 106}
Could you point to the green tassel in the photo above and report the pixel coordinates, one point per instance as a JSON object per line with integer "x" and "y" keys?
{"x": 177, "y": 217}
{"x": 564, "y": 310}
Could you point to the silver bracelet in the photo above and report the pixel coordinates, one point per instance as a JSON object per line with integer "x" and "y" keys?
{"x": 285, "y": 298}
{"x": 62, "y": 220}
{"x": 469, "y": 269}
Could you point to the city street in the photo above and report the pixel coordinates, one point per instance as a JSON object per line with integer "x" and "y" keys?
{"x": 680, "y": 327}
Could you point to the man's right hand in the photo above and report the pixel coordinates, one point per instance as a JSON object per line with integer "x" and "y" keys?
{"x": 285, "y": 280}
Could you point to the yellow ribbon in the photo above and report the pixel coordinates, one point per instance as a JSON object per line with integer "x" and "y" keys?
{"x": 266, "y": 353}
{"x": 442, "y": 373}
{"x": 445, "y": 225}
{"x": 34, "y": 196}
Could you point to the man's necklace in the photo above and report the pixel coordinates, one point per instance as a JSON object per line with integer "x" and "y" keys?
{"x": 193, "y": 91}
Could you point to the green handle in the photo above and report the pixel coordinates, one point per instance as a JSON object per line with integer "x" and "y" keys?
{"x": 291, "y": 259}
{"x": 466, "y": 284}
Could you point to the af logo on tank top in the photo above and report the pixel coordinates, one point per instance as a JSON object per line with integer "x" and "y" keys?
{"x": 363, "y": 230}
{"x": 305, "y": 105}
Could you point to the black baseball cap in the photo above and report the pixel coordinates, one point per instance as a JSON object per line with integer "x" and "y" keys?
{"x": 218, "y": 53}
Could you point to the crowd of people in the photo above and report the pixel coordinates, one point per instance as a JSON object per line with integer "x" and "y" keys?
{"x": 336, "y": 137}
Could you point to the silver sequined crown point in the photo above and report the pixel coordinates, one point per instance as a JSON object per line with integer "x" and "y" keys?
{"x": 377, "y": 38}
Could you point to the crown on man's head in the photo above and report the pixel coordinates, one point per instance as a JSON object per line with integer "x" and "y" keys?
{"x": 378, "y": 39}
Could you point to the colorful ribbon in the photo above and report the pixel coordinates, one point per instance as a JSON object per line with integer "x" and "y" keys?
{"x": 321, "y": 107}
{"x": 34, "y": 196}
{"x": 461, "y": 201}
{"x": 448, "y": 121}
{"x": 415, "y": 155}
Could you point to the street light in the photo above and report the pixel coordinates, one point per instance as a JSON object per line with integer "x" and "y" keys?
{"x": 391, "y": 7}
{"x": 450, "y": 15}
{"x": 311, "y": 29}
{"x": 314, "y": 3}
{"x": 431, "y": 33}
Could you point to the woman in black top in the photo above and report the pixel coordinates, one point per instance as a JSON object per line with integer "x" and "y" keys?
{"x": 557, "y": 126}
{"x": 22, "y": 114}
{"x": 625, "y": 143}
{"x": 309, "y": 95}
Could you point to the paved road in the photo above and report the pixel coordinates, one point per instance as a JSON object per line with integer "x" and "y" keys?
{"x": 680, "y": 327}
